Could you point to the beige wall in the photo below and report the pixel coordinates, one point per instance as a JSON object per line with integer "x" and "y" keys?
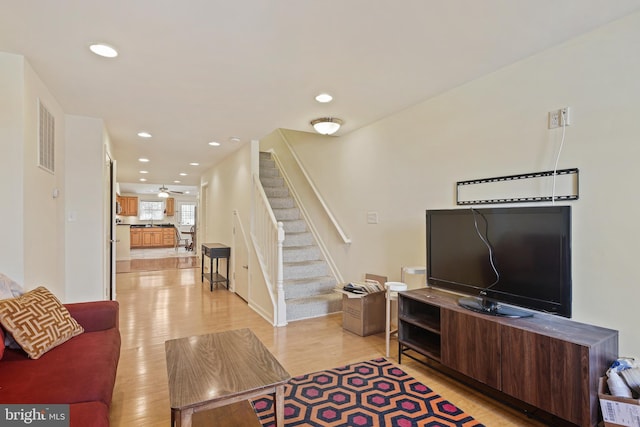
{"x": 227, "y": 188}
{"x": 41, "y": 246}
{"x": 497, "y": 125}
{"x": 33, "y": 234}
{"x": 86, "y": 248}
{"x": 11, "y": 160}
{"x": 44, "y": 214}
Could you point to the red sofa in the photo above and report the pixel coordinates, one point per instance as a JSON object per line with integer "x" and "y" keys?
{"x": 80, "y": 372}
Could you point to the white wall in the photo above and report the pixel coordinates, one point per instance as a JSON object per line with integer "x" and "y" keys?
{"x": 229, "y": 188}
{"x": 32, "y": 234}
{"x": 85, "y": 211}
{"x": 11, "y": 155}
{"x": 497, "y": 125}
{"x": 40, "y": 247}
{"x": 43, "y": 227}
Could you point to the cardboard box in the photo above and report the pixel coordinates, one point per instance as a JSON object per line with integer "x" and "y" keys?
{"x": 617, "y": 411}
{"x": 364, "y": 315}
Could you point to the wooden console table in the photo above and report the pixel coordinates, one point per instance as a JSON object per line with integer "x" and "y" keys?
{"x": 226, "y": 368}
{"x": 217, "y": 251}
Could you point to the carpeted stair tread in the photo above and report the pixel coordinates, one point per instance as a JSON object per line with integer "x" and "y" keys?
{"x": 302, "y": 288}
{"x": 308, "y": 285}
{"x": 301, "y": 253}
{"x": 314, "y": 306}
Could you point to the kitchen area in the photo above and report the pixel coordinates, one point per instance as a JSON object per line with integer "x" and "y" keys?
{"x": 147, "y": 226}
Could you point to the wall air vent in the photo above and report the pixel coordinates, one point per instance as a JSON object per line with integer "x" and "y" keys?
{"x": 46, "y": 139}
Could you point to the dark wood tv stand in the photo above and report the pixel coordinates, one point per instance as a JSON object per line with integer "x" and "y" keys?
{"x": 545, "y": 361}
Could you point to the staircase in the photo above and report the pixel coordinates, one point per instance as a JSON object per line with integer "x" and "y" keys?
{"x": 308, "y": 285}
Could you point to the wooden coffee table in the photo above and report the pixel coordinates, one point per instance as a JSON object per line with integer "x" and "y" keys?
{"x": 209, "y": 371}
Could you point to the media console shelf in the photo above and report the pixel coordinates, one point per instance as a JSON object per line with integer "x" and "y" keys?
{"x": 544, "y": 361}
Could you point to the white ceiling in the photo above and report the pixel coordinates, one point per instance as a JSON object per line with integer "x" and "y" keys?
{"x": 194, "y": 71}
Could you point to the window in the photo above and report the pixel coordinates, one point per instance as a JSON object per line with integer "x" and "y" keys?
{"x": 151, "y": 210}
{"x": 187, "y": 214}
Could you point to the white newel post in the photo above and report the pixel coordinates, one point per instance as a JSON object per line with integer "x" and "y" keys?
{"x": 282, "y": 306}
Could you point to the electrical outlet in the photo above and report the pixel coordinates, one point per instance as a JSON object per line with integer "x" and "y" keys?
{"x": 559, "y": 117}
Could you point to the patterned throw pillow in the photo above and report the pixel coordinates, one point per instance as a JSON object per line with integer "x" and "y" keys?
{"x": 38, "y": 321}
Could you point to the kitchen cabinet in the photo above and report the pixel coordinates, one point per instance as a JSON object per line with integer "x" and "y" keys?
{"x": 168, "y": 236}
{"x": 136, "y": 237}
{"x": 152, "y": 237}
{"x": 128, "y": 205}
{"x": 170, "y": 206}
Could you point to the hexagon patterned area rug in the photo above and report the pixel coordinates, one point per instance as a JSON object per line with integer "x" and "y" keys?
{"x": 373, "y": 393}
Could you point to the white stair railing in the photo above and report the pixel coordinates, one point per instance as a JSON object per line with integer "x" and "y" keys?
{"x": 268, "y": 235}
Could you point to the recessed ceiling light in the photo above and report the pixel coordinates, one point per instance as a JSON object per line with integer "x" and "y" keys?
{"x": 143, "y": 159}
{"x": 182, "y": 174}
{"x": 214, "y": 144}
{"x": 103, "y": 50}
{"x": 234, "y": 139}
{"x": 143, "y": 179}
{"x": 144, "y": 171}
{"x": 144, "y": 134}
{"x": 323, "y": 98}
{"x": 177, "y": 181}
{"x": 194, "y": 164}
{"x": 187, "y": 192}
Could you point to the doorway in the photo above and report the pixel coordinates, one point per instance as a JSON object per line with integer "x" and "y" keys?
{"x": 109, "y": 229}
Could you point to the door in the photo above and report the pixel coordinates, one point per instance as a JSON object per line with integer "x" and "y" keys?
{"x": 201, "y": 218}
{"x": 240, "y": 255}
{"x": 109, "y": 229}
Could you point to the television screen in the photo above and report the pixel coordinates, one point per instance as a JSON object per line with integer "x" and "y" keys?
{"x": 518, "y": 255}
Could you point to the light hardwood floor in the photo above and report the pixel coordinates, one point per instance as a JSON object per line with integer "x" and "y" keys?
{"x": 159, "y": 305}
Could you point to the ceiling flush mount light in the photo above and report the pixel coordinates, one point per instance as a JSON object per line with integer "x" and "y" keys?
{"x": 144, "y": 134}
{"x": 104, "y": 50}
{"x": 326, "y": 125}
{"x": 323, "y": 98}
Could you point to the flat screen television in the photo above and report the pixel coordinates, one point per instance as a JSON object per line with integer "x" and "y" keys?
{"x": 520, "y": 256}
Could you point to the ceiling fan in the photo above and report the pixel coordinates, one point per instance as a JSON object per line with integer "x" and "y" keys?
{"x": 163, "y": 192}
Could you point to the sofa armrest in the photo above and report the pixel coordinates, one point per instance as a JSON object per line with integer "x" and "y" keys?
{"x": 95, "y": 315}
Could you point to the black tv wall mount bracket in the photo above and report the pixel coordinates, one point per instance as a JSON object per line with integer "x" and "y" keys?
{"x": 547, "y": 186}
